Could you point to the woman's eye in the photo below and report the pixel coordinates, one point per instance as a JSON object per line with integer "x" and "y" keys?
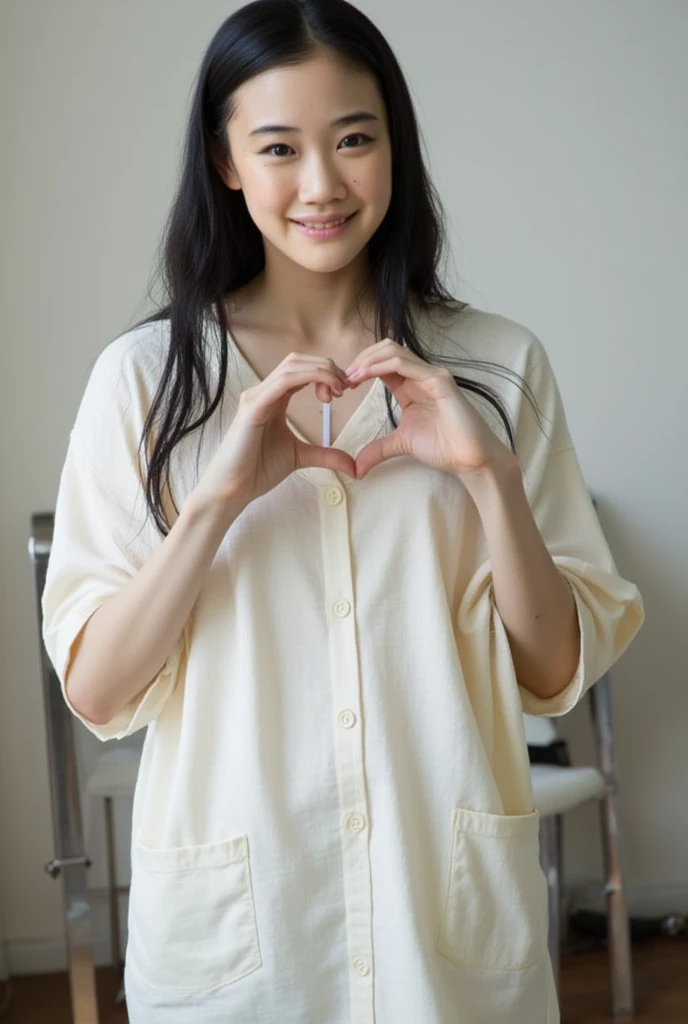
{"x": 276, "y": 145}
{"x": 357, "y": 135}
{"x": 271, "y": 150}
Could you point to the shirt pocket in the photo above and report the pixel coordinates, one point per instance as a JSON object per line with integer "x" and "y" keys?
{"x": 192, "y": 923}
{"x": 495, "y": 914}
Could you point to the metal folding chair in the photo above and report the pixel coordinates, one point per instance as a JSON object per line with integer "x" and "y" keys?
{"x": 70, "y": 861}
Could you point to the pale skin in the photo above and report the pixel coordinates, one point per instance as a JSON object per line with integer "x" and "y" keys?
{"x": 441, "y": 428}
{"x": 304, "y": 320}
{"x": 313, "y": 296}
{"x": 305, "y": 301}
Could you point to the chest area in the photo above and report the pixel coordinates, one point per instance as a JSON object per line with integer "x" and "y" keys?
{"x": 260, "y": 353}
{"x": 306, "y": 412}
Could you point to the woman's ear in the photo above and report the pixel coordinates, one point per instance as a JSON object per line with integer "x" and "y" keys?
{"x": 225, "y": 169}
{"x": 230, "y": 176}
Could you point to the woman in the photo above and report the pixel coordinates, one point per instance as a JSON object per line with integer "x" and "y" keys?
{"x": 331, "y": 644}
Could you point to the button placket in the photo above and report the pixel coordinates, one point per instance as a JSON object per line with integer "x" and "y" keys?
{"x": 360, "y": 966}
{"x": 341, "y": 608}
{"x": 334, "y": 496}
{"x": 346, "y": 696}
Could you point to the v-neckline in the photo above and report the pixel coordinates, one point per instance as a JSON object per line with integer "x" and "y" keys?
{"x": 355, "y": 432}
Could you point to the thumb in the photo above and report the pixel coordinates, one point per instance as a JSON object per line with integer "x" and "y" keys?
{"x": 324, "y": 458}
{"x": 376, "y": 452}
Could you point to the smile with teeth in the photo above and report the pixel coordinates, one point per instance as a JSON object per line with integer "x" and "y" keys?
{"x": 321, "y": 227}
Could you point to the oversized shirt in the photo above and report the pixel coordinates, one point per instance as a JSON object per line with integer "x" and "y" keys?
{"x": 333, "y": 821}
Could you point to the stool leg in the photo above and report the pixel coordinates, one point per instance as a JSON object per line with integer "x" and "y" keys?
{"x": 115, "y": 949}
{"x": 618, "y": 928}
{"x": 550, "y": 845}
{"x": 561, "y": 908}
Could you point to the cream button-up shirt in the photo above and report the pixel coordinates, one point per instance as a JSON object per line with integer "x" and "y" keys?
{"x": 333, "y": 820}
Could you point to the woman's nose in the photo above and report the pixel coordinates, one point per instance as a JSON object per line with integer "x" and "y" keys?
{"x": 321, "y": 181}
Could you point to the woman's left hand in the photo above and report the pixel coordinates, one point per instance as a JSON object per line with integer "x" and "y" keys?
{"x": 438, "y": 426}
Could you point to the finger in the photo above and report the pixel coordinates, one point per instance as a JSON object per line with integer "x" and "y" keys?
{"x": 300, "y": 361}
{"x": 376, "y": 452}
{"x": 319, "y": 375}
{"x": 386, "y": 346}
{"x": 381, "y": 349}
{"x": 395, "y": 364}
{"x": 288, "y": 382}
{"x": 393, "y": 381}
{"x": 324, "y": 458}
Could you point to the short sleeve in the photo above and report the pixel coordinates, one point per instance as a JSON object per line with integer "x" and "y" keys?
{"x": 102, "y": 535}
{"x": 609, "y": 608}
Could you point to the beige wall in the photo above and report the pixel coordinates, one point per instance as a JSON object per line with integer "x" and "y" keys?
{"x": 557, "y": 142}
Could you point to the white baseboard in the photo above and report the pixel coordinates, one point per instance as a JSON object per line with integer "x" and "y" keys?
{"x": 642, "y": 900}
{"x": 46, "y": 956}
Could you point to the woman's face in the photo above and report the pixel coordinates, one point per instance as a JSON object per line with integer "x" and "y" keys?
{"x": 293, "y": 161}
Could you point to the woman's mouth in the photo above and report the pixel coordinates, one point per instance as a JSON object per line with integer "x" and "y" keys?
{"x": 325, "y": 230}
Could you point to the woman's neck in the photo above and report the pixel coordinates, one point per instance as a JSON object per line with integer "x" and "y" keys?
{"x": 315, "y": 308}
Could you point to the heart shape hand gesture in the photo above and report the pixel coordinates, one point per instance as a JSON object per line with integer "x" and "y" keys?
{"x": 438, "y": 426}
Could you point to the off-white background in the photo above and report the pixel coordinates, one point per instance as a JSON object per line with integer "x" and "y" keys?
{"x": 557, "y": 137}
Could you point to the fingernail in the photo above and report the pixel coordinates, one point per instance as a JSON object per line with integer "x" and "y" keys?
{"x": 350, "y": 374}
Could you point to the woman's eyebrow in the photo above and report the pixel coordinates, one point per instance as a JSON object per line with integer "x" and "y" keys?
{"x": 340, "y": 122}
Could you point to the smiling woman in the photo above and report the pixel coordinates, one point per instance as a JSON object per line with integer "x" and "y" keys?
{"x": 326, "y": 180}
{"x": 331, "y": 645}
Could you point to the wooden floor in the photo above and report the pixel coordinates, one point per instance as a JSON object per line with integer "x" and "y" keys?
{"x": 661, "y": 980}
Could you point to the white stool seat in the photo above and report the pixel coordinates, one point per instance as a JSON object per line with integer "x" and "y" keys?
{"x": 540, "y": 730}
{"x": 558, "y": 789}
{"x": 114, "y": 773}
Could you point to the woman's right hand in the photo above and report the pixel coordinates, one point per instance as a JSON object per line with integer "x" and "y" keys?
{"x": 260, "y": 450}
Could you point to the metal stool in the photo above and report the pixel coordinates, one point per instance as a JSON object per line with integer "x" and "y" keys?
{"x": 557, "y": 789}
{"x": 113, "y": 775}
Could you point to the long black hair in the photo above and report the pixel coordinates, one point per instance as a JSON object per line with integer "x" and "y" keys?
{"x": 211, "y": 247}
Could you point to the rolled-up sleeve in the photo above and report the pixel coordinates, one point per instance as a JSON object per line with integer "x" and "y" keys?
{"x": 609, "y": 608}
{"x": 101, "y": 538}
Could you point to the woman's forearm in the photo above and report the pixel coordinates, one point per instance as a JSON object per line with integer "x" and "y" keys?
{"x": 534, "y": 601}
{"x": 125, "y": 643}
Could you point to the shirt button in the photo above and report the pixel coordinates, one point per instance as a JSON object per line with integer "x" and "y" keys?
{"x": 356, "y": 822}
{"x": 341, "y": 608}
{"x": 347, "y": 719}
{"x": 333, "y": 495}
{"x": 360, "y": 966}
